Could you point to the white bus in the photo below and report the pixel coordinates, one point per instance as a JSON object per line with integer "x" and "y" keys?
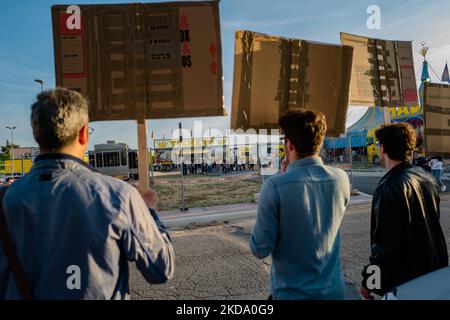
{"x": 115, "y": 159}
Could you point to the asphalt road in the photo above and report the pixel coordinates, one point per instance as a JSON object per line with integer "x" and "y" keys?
{"x": 215, "y": 262}
{"x": 365, "y": 184}
{"x": 368, "y": 184}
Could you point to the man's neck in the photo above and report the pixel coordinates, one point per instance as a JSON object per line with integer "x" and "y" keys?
{"x": 296, "y": 157}
{"x": 68, "y": 151}
{"x": 310, "y": 156}
{"x": 390, "y": 164}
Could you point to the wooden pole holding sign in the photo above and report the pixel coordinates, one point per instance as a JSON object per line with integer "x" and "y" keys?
{"x": 142, "y": 155}
{"x": 386, "y": 115}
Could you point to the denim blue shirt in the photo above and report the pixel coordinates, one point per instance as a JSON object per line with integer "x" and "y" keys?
{"x": 298, "y": 220}
{"x": 64, "y": 214}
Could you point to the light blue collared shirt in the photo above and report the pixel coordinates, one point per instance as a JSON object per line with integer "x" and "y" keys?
{"x": 63, "y": 214}
{"x": 298, "y": 221}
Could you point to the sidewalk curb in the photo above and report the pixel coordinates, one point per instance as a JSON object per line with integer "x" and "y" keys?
{"x": 205, "y": 215}
{"x": 364, "y": 199}
{"x": 181, "y": 223}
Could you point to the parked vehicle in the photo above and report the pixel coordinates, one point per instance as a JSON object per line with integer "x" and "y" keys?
{"x": 115, "y": 159}
{"x": 427, "y": 287}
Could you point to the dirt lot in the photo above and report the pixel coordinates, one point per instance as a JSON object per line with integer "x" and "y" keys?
{"x": 206, "y": 190}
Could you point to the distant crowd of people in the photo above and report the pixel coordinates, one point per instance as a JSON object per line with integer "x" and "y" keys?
{"x": 434, "y": 165}
{"x": 214, "y": 167}
{"x": 6, "y": 181}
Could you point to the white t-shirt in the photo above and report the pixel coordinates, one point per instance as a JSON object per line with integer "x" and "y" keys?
{"x": 435, "y": 164}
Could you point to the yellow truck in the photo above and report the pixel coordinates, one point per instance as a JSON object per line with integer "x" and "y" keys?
{"x": 21, "y": 167}
{"x": 373, "y": 154}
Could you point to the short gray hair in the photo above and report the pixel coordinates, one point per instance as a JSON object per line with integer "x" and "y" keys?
{"x": 57, "y": 117}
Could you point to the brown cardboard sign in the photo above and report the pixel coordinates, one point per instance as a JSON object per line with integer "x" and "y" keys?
{"x": 437, "y": 118}
{"x": 382, "y": 72}
{"x": 142, "y": 61}
{"x": 274, "y": 74}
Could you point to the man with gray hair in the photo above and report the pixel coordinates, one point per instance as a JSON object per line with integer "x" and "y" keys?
{"x": 73, "y": 229}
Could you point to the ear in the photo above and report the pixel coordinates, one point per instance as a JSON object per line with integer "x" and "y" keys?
{"x": 83, "y": 135}
{"x": 290, "y": 145}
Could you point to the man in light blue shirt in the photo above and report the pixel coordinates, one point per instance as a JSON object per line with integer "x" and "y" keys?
{"x": 74, "y": 230}
{"x": 299, "y": 215}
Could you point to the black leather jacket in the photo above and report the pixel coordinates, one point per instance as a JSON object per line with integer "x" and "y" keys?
{"x": 406, "y": 237}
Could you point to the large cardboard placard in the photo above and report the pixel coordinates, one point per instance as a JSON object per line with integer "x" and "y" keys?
{"x": 274, "y": 74}
{"x": 142, "y": 61}
{"x": 382, "y": 72}
{"x": 437, "y": 118}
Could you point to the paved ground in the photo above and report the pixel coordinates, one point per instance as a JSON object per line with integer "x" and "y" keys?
{"x": 367, "y": 184}
{"x": 214, "y": 262}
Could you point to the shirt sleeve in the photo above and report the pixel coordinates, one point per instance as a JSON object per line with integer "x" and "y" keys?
{"x": 146, "y": 241}
{"x": 264, "y": 235}
{"x": 3, "y": 272}
{"x": 161, "y": 226}
{"x": 4, "y": 268}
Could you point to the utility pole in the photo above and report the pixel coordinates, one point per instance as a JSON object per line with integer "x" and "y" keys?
{"x": 152, "y": 183}
{"x": 12, "y": 149}
{"x": 41, "y": 83}
{"x": 351, "y": 159}
{"x": 183, "y": 207}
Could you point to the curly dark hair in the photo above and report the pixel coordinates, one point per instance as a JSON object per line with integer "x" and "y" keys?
{"x": 398, "y": 140}
{"x": 305, "y": 129}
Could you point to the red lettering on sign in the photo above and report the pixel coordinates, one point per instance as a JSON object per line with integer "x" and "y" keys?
{"x": 212, "y": 50}
{"x": 214, "y": 67}
{"x": 184, "y": 24}
{"x": 186, "y": 49}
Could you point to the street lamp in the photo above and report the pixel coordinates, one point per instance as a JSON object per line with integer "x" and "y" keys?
{"x": 12, "y": 146}
{"x": 183, "y": 206}
{"x": 41, "y": 82}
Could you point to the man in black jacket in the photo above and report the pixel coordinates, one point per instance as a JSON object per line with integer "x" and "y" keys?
{"x": 406, "y": 237}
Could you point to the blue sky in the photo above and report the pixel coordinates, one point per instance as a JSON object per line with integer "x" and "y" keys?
{"x": 26, "y": 50}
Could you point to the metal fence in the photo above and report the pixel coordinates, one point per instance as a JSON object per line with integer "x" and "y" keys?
{"x": 349, "y": 152}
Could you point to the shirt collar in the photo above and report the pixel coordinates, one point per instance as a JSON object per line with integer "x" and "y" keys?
{"x": 308, "y": 161}
{"x": 399, "y": 167}
{"x": 63, "y": 156}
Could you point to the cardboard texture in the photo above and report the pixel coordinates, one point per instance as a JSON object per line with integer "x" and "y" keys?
{"x": 142, "y": 61}
{"x": 382, "y": 72}
{"x": 437, "y": 118}
{"x": 275, "y": 74}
